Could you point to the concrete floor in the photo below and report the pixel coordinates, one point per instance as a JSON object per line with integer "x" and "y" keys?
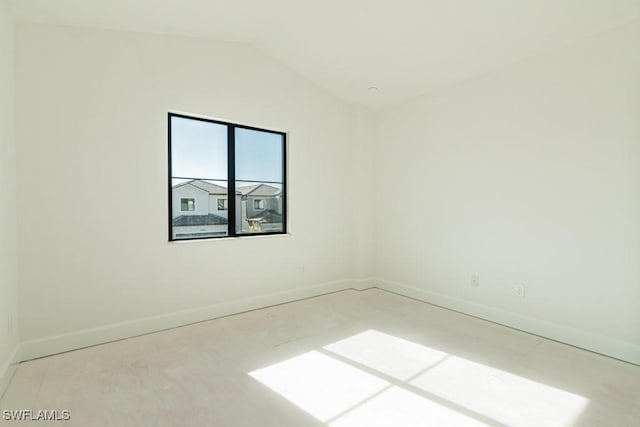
{"x": 347, "y": 359}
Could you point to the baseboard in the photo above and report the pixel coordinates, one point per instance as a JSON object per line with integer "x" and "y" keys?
{"x": 8, "y": 368}
{"x": 32, "y": 349}
{"x": 84, "y": 338}
{"x": 363, "y": 284}
{"x": 607, "y": 346}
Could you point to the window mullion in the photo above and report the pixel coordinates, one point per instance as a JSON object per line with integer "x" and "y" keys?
{"x": 231, "y": 180}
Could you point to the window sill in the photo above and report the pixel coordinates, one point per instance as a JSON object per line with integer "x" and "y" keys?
{"x": 228, "y": 238}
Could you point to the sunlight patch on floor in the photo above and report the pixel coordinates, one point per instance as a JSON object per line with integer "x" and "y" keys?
{"x": 504, "y": 397}
{"x": 399, "y": 407}
{"x": 322, "y": 386}
{"x": 377, "y": 379}
{"x": 396, "y": 357}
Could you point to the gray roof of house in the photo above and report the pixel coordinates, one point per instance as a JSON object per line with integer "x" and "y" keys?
{"x": 199, "y": 220}
{"x": 204, "y": 186}
{"x": 209, "y": 187}
{"x": 245, "y": 190}
{"x": 258, "y": 190}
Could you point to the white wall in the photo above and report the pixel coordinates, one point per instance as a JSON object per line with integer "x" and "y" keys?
{"x": 530, "y": 175}
{"x": 8, "y": 250}
{"x": 362, "y": 191}
{"x": 92, "y": 137}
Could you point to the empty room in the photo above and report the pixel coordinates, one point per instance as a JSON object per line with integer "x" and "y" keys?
{"x": 320, "y": 213}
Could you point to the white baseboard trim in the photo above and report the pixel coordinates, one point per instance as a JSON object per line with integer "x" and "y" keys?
{"x": 607, "y": 346}
{"x": 8, "y": 368}
{"x": 363, "y": 284}
{"x": 41, "y": 347}
{"x": 84, "y": 338}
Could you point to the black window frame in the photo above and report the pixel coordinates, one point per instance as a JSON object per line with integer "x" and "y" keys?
{"x": 231, "y": 180}
{"x": 258, "y": 204}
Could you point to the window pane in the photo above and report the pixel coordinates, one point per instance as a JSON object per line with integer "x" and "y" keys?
{"x": 258, "y": 155}
{"x": 259, "y": 207}
{"x": 195, "y": 212}
{"x": 198, "y": 149}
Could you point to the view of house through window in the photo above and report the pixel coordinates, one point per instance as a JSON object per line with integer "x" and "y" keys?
{"x": 225, "y": 179}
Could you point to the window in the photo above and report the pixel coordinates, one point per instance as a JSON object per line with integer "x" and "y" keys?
{"x": 187, "y": 204}
{"x": 237, "y": 173}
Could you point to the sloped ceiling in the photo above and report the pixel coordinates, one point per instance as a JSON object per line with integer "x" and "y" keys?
{"x": 403, "y": 47}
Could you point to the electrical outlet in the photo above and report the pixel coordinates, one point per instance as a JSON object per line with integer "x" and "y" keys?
{"x": 475, "y": 280}
{"x": 520, "y": 290}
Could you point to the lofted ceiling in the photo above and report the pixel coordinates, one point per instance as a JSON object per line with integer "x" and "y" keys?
{"x": 403, "y": 47}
